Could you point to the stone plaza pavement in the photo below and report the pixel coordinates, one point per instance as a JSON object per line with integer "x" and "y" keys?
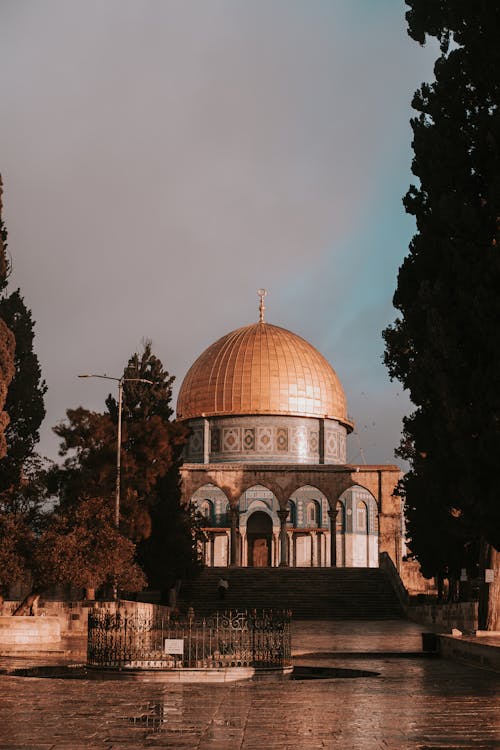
{"x": 415, "y": 702}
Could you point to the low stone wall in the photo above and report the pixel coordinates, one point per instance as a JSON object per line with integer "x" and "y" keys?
{"x": 414, "y": 581}
{"x": 73, "y": 616}
{"x": 29, "y": 632}
{"x": 460, "y": 615}
{"x": 470, "y": 651}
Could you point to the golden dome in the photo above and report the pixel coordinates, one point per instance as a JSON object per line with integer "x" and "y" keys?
{"x": 262, "y": 369}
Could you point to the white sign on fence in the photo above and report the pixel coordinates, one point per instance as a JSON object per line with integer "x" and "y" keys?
{"x": 174, "y": 646}
{"x": 489, "y": 575}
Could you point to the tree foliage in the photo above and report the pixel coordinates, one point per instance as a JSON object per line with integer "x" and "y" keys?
{"x": 22, "y": 487}
{"x": 7, "y": 347}
{"x": 23, "y": 518}
{"x": 170, "y": 550}
{"x": 151, "y": 514}
{"x": 171, "y": 553}
{"x": 444, "y": 346}
{"x": 16, "y": 544}
{"x": 82, "y": 546}
{"x": 25, "y": 398}
{"x": 7, "y": 341}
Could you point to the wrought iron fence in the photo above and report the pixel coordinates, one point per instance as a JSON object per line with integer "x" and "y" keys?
{"x": 259, "y": 639}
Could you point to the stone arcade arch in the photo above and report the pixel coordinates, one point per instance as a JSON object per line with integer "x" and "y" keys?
{"x": 213, "y": 504}
{"x": 226, "y": 483}
{"x": 357, "y": 533}
{"x": 258, "y": 526}
{"x": 309, "y": 540}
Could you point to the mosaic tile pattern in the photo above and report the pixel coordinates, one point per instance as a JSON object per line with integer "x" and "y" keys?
{"x": 248, "y": 438}
{"x": 196, "y": 442}
{"x": 231, "y": 439}
{"x": 267, "y": 438}
{"x": 215, "y": 440}
{"x": 282, "y": 438}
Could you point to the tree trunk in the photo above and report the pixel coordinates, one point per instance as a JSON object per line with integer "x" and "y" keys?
{"x": 28, "y": 605}
{"x": 440, "y": 583}
{"x": 489, "y": 593}
{"x": 493, "y": 617}
{"x": 90, "y": 593}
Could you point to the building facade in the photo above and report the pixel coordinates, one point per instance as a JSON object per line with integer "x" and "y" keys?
{"x": 266, "y": 459}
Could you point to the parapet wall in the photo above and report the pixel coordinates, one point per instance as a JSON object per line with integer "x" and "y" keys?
{"x": 22, "y": 632}
{"x": 460, "y": 615}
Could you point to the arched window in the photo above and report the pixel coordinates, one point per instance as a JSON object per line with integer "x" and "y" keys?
{"x": 373, "y": 518}
{"x": 207, "y": 510}
{"x": 292, "y": 514}
{"x": 313, "y": 514}
{"x": 362, "y": 517}
{"x": 340, "y": 518}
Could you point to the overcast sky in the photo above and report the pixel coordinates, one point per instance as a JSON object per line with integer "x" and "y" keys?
{"x": 163, "y": 159}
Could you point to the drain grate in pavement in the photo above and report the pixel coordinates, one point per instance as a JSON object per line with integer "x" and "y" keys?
{"x": 329, "y": 673}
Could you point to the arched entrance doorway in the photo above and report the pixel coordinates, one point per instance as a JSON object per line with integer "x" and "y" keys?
{"x": 259, "y": 535}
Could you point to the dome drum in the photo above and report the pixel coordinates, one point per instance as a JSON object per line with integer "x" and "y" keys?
{"x": 268, "y": 439}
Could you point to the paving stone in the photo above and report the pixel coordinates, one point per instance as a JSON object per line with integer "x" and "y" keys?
{"x": 415, "y": 704}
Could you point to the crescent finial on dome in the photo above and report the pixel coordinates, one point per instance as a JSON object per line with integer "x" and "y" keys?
{"x": 262, "y": 293}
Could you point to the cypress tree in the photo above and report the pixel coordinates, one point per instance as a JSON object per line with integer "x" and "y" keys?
{"x": 165, "y": 530}
{"x": 25, "y": 398}
{"x": 24, "y": 402}
{"x": 444, "y": 346}
{"x": 7, "y": 342}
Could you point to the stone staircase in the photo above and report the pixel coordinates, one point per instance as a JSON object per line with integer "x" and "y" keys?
{"x": 311, "y": 593}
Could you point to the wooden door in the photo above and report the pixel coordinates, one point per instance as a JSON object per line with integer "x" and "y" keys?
{"x": 260, "y": 557}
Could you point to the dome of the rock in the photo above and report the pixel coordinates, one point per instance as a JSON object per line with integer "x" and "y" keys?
{"x": 265, "y": 458}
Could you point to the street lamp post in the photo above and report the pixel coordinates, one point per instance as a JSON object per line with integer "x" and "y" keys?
{"x": 120, "y": 382}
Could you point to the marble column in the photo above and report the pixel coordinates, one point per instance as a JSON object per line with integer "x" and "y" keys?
{"x": 234, "y": 555}
{"x": 206, "y": 442}
{"x": 275, "y": 560}
{"x": 208, "y": 548}
{"x": 291, "y": 559}
{"x": 283, "y": 515}
{"x": 332, "y": 514}
{"x": 314, "y": 547}
{"x": 244, "y": 550}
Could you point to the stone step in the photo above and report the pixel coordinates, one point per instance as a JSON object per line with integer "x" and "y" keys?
{"x": 331, "y": 593}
